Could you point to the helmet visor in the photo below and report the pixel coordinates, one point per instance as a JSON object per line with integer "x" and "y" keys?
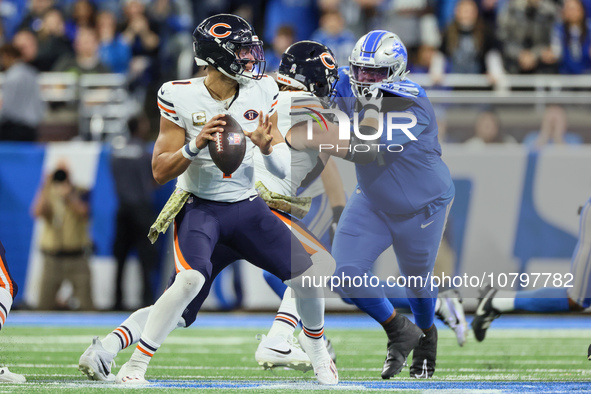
{"x": 369, "y": 75}
{"x": 251, "y": 57}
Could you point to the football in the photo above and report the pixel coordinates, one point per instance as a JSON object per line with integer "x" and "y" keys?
{"x": 229, "y": 147}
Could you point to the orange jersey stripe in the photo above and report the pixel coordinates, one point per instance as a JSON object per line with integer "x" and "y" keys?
{"x": 127, "y": 341}
{"x": 2, "y": 317}
{"x": 272, "y": 105}
{"x": 143, "y": 351}
{"x": 179, "y": 254}
{"x": 166, "y": 109}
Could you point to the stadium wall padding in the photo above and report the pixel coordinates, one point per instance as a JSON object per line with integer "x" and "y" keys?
{"x": 514, "y": 210}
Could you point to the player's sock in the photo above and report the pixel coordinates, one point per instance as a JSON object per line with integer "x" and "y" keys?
{"x": 276, "y": 284}
{"x": 128, "y": 332}
{"x": 5, "y": 305}
{"x": 287, "y": 317}
{"x": 542, "y": 300}
{"x": 423, "y": 309}
{"x": 165, "y": 314}
{"x": 314, "y": 333}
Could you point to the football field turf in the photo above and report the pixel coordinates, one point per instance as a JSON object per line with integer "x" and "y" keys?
{"x": 218, "y": 356}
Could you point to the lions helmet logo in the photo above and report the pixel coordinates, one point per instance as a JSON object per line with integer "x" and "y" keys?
{"x": 328, "y": 60}
{"x": 223, "y": 30}
{"x": 251, "y": 114}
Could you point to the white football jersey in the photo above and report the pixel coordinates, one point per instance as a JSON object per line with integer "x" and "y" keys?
{"x": 189, "y": 105}
{"x": 302, "y": 162}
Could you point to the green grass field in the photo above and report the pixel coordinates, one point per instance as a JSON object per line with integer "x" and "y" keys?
{"x": 48, "y": 357}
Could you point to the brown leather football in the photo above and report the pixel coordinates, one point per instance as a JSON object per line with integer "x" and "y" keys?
{"x": 227, "y": 151}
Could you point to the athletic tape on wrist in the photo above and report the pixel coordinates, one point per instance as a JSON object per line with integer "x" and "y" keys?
{"x": 190, "y": 150}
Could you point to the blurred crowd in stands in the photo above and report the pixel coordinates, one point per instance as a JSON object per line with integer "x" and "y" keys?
{"x": 149, "y": 41}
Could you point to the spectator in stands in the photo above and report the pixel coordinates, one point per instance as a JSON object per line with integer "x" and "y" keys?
{"x": 487, "y": 130}
{"x": 33, "y": 20}
{"x": 525, "y": 33}
{"x": 466, "y": 42}
{"x": 26, "y": 42}
{"x": 86, "y": 56}
{"x": 333, "y": 34}
{"x": 141, "y": 34}
{"x": 572, "y": 39}
{"x": 283, "y": 39}
{"x": 114, "y": 51}
{"x": 53, "y": 42}
{"x": 553, "y": 130}
{"x": 175, "y": 26}
{"x": 22, "y": 108}
{"x": 412, "y": 20}
{"x": 83, "y": 15}
{"x": 302, "y": 16}
{"x": 131, "y": 165}
{"x": 65, "y": 242}
{"x": 11, "y": 15}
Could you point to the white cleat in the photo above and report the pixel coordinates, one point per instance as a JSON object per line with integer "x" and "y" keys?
{"x": 280, "y": 352}
{"x": 324, "y": 368}
{"x": 451, "y": 312}
{"x": 96, "y": 362}
{"x": 131, "y": 374}
{"x": 9, "y": 377}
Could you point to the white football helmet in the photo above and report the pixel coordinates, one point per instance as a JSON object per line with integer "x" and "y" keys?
{"x": 378, "y": 56}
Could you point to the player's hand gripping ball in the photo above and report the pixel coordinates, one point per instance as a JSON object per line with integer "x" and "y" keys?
{"x": 229, "y": 147}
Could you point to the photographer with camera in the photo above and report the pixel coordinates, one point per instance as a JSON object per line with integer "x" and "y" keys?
{"x": 65, "y": 242}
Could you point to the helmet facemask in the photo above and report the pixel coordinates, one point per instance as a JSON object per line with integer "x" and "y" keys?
{"x": 228, "y": 43}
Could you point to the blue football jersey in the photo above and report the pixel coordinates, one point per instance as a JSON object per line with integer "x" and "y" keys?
{"x": 416, "y": 178}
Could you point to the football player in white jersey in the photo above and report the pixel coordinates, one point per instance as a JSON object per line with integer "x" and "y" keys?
{"x": 219, "y": 217}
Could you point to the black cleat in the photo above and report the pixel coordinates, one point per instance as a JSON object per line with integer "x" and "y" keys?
{"x": 403, "y": 337}
{"x": 485, "y": 313}
{"x": 589, "y": 353}
{"x": 424, "y": 356}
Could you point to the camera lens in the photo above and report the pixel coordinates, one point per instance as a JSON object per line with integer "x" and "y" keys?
{"x": 60, "y": 176}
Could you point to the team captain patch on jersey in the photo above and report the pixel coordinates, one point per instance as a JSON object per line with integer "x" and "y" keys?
{"x": 189, "y": 105}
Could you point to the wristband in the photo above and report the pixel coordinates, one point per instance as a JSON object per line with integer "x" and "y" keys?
{"x": 190, "y": 150}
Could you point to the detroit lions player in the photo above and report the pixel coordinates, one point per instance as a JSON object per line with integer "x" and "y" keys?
{"x": 220, "y": 218}
{"x": 544, "y": 300}
{"x": 402, "y": 198}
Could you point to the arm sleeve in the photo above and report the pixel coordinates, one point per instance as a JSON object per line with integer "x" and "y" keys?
{"x": 166, "y": 105}
{"x": 278, "y": 162}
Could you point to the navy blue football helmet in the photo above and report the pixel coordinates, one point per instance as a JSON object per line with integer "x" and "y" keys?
{"x": 309, "y": 66}
{"x": 228, "y": 43}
